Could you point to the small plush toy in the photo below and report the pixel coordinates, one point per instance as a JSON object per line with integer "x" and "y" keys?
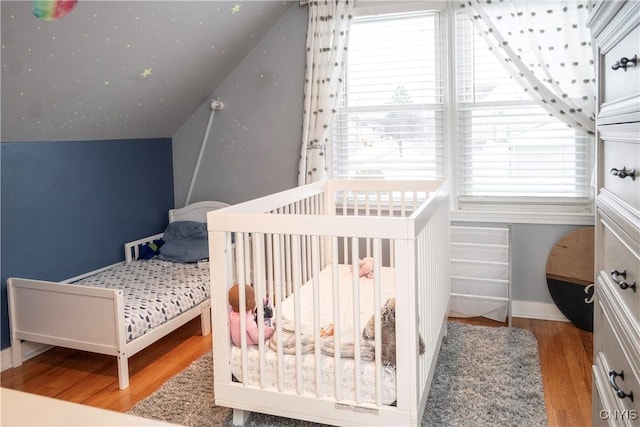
{"x": 234, "y": 316}
{"x": 387, "y": 333}
{"x": 151, "y": 249}
{"x": 327, "y": 331}
{"x": 366, "y": 267}
{"x": 268, "y": 312}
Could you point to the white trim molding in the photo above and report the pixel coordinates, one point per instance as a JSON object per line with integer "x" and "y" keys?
{"x": 537, "y": 310}
{"x": 552, "y": 218}
{"x": 29, "y": 350}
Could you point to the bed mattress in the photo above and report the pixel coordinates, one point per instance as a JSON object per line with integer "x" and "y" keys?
{"x": 154, "y": 291}
{"x": 348, "y": 366}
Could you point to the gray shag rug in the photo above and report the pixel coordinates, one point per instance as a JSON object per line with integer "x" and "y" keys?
{"x": 485, "y": 376}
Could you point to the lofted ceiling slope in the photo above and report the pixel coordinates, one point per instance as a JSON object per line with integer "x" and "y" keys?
{"x": 120, "y": 69}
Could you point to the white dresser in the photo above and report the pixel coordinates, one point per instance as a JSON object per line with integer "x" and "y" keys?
{"x": 615, "y": 26}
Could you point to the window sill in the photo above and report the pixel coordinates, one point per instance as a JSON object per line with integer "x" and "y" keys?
{"x": 556, "y": 218}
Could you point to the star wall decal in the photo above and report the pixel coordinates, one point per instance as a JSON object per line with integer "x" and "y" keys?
{"x": 236, "y": 8}
{"x": 146, "y": 72}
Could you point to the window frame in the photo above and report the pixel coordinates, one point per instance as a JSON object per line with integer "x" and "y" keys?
{"x": 437, "y": 109}
{"x": 517, "y": 209}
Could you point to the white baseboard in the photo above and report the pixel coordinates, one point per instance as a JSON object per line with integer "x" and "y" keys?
{"x": 537, "y": 310}
{"x": 29, "y": 350}
{"x": 5, "y": 359}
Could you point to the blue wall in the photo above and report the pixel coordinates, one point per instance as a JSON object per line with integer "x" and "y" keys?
{"x": 68, "y": 207}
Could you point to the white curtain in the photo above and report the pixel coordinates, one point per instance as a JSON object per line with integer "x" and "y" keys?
{"x": 546, "y": 47}
{"x": 327, "y": 38}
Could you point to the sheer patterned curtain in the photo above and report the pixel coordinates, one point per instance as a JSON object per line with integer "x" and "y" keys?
{"x": 327, "y": 38}
{"x": 546, "y": 47}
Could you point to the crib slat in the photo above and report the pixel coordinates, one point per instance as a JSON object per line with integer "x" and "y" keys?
{"x": 345, "y": 243}
{"x": 240, "y": 259}
{"x": 355, "y": 242}
{"x": 287, "y": 261}
{"x": 304, "y": 264}
{"x": 270, "y": 265}
{"x": 345, "y": 250}
{"x": 278, "y": 276}
{"x": 307, "y": 257}
{"x": 295, "y": 249}
{"x": 230, "y": 261}
{"x": 377, "y": 305}
{"x": 405, "y": 372}
{"x": 259, "y": 288}
{"x": 336, "y": 319}
{"x": 247, "y": 256}
{"x": 315, "y": 261}
{"x": 240, "y": 266}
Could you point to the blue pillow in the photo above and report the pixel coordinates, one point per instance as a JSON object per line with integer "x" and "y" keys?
{"x": 185, "y": 241}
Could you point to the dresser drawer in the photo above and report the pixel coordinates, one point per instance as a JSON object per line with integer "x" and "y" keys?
{"x": 619, "y": 84}
{"x": 618, "y": 157}
{"x": 612, "y": 366}
{"x": 605, "y": 411}
{"x": 621, "y": 267}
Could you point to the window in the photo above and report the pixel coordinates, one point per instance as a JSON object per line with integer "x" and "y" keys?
{"x": 399, "y": 117}
{"x": 509, "y": 147}
{"x": 389, "y": 120}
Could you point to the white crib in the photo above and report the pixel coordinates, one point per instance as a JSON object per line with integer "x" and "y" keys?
{"x": 300, "y": 249}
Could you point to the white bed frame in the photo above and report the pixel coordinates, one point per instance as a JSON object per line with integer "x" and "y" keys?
{"x": 57, "y": 313}
{"x": 284, "y": 240}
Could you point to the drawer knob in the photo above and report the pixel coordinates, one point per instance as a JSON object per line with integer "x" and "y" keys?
{"x": 625, "y": 62}
{"x": 623, "y": 173}
{"x": 620, "y": 278}
{"x": 619, "y": 392}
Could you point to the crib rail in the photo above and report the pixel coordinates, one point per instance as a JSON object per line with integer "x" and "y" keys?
{"x": 301, "y": 252}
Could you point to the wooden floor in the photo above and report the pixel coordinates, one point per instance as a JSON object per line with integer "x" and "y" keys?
{"x": 565, "y": 358}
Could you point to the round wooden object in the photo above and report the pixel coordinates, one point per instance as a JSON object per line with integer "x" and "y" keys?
{"x": 569, "y": 273}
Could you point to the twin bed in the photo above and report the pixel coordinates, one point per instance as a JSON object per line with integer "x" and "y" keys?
{"x": 300, "y": 250}
{"x": 121, "y": 309}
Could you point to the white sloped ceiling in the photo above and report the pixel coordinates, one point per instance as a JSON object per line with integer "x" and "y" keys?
{"x": 120, "y": 69}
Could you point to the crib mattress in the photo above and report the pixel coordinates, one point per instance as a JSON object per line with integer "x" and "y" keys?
{"x": 154, "y": 291}
{"x": 347, "y": 366}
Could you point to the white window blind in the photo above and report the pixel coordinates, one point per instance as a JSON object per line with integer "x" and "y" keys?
{"x": 508, "y": 146}
{"x": 389, "y": 119}
{"x": 397, "y": 111}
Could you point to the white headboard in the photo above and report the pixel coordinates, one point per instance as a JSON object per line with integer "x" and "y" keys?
{"x": 195, "y": 211}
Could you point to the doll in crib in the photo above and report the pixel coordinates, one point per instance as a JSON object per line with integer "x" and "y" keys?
{"x": 234, "y": 316}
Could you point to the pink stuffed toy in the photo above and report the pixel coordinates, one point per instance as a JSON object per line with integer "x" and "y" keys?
{"x": 234, "y": 316}
{"x": 366, "y": 267}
